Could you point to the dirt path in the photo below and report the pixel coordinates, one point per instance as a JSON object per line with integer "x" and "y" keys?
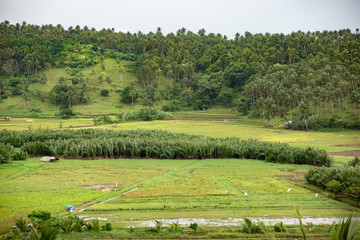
{"x": 352, "y": 153}
{"x": 82, "y": 209}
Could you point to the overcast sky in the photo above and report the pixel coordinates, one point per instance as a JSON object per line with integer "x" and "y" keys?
{"x": 216, "y": 16}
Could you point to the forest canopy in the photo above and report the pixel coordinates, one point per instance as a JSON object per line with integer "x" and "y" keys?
{"x": 307, "y": 74}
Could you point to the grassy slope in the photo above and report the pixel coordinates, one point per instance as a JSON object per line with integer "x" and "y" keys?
{"x": 97, "y": 104}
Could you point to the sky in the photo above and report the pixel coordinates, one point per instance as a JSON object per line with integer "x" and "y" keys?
{"x": 216, "y": 16}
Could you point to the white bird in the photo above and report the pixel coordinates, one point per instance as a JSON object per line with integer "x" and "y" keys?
{"x": 289, "y": 190}
{"x": 245, "y": 194}
{"x": 316, "y": 195}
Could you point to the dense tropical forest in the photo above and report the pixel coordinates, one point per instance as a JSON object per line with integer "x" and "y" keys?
{"x": 312, "y": 78}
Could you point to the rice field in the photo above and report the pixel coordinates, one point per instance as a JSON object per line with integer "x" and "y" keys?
{"x": 171, "y": 189}
{"x": 209, "y": 188}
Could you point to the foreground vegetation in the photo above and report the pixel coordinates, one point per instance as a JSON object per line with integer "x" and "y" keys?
{"x": 45, "y": 226}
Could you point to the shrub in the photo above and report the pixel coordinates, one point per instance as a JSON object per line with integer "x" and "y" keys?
{"x": 194, "y": 227}
{"x": 104, "y": 93}
{"x": 107, "y": 227}
{"x": 355, "y": 162}
{"x": 39, "y": 214}
{"x": 335, "y": 179}
{"x": 6, "y": 152}
{"x": 171, "y": 107}
{"x": 175, "y": 227}
{"x": 20, "y": 155}
{"x": 101, "y": 120}
{"x": 251, "y": 228}
{"x": 129, "y": 94}
{"x": 279, "y": 227}
{"x": 94, "y": 225}
{"x": 66, "y": 113}
{"x": 354, "y": 192}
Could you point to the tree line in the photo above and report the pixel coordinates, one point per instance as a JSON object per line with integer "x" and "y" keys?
{"x": 276, "y": 75}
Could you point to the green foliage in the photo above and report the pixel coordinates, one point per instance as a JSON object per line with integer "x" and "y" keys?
{"x": 355, "y": 162}
{"x": 129, "y": 94}
{"x": 67, "y": 224}
{"x": 66, "y": 113}
{"x": 105, "y": 119}
{"x": 251, "y": 228}
{"x": 106, "y": 227}
{"x": 334, "y": 187}
{"x": 335, "y": 179}
{"x": 354, "y": 192}
{"x": 300, "y": 223}
{"x": 104, "y": 92}
{"x": 345, "y": 230}
{"x": 39, "y": 214}
{"x": 243, "y": 105}
{"x": 21, "y": 224}
{"x": 89, "y": 143}
{"x": 171, "y": 107}
{"x": 158, "y": 226}
{"x": 194, "y": 227}
{"x": 279, "y": 227}
{"x": 6, "y": 152}
{"x": 94, "y": 225}
{"x": 20, "y": 155}
{"x": 175, "y": 227}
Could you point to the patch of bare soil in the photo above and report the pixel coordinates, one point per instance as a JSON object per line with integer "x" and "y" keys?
{"x": 191, "y": 171}
{"x": 352, "y": 153}
{"x": 349, "y": 145}
{"x": 296, "y": 176}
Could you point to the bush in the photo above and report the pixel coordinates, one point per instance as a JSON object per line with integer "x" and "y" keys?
{"x": 107, "y": 227}
{"x": 171, "y": 107}
{"x": 279, "y": 227}
{"x": 251, "y": 228}
{"x": 334, "y": 187}
{"x": 66, "y": 113}
{"x": 149, "y": 114}
{"x": 104, "y": 93}
{"x": 20, "y": 155}
{"x": 335, "y": 179}
{"x": 129, "y": 94}
{"x": 6, "y": 152}
{"x": 355, "y": 162}
{"x": 39, "y": 214}
{"x": 101, "y": 120}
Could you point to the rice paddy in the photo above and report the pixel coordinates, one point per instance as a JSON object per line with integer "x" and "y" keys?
{"x": 172, "y": 189}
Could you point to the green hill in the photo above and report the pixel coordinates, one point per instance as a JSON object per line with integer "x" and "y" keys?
{"x": 97, "y": 104}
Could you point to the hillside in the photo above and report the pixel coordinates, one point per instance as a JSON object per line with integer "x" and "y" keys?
{"x": 97, "y": 104}
{"x": 311, "y": 79}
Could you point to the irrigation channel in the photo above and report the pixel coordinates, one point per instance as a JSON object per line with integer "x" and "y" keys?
{"x": 214, "y": 222}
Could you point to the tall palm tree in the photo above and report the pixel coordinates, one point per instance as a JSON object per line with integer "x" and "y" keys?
{"x": 121, "y": 70}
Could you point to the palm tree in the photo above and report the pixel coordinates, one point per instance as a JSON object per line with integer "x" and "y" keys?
{"x": 121, "y": 69}
{"x": 132, "y": 94}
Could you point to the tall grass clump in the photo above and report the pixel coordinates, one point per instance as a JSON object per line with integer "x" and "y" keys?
{"x": 94, "y": 143}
